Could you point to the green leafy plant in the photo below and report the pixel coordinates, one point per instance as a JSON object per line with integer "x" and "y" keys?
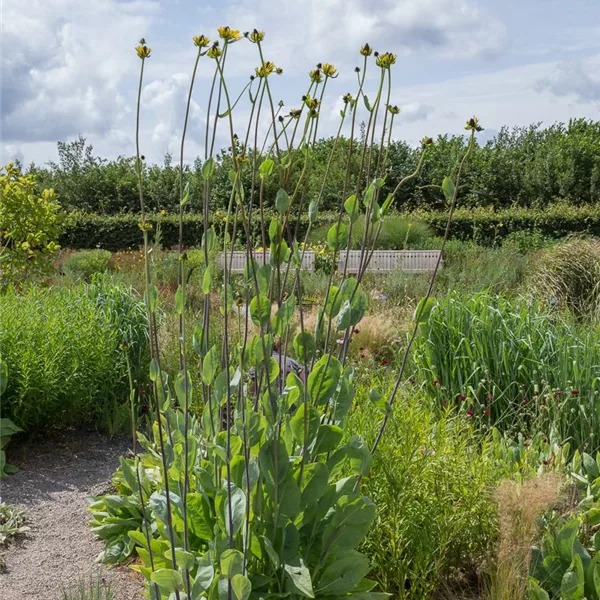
{"x": 29, "y": 227}
{"x": 12, "y": 524}
{"x": 83, "y": 265}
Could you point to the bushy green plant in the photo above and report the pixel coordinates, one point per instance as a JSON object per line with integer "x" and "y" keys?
{"x": 86, "y": 263}
{"x": 511, "y": 363}
{"x": 30, "y": 224}
{"x": 12, "y": 524}
{"x": 64, "y": 353}
{"x": 568, "y": 276}
{"x": 431, "y": 484}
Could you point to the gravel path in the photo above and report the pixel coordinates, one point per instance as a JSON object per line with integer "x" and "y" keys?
{"x": 55, "y": 479}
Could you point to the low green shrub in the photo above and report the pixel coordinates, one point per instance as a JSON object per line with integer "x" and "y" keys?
{"x": 63, "y": 352}
{"x": 431, "y": 486}
{"x": 83, "y": 265}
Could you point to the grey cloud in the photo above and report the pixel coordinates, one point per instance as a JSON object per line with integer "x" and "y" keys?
{"x": 412, "y": 113}
{"x": 572, "y": 79}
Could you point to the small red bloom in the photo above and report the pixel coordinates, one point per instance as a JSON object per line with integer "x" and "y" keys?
{"x": 524, "y": 400}
{"x": 575, "y": 392}
{"x": 470, "y": 413}
{"x": 557, "y": 393}
{"x": 489, "y": 398}
{"x": 536, "y": 394}
{"x": 436, "y": 382}
{"x": 357, "y": 331}
{"x": 411, "y": 380}
{"x": 362, "y": 355}
{"x": 462, "y": 398}
{"x": 547, "y": 462}
{"x": 486, "y": 412}
{"x": 384, "y": 362}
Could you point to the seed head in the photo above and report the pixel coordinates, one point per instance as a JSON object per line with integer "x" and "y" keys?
{"x": 394, "y": 110}
{"x": 316, "y": 76}
{"x": 426, "y": 142}
{"x": 295, "y": 113}
{"x": 347, "y": 98}
{"x": 201, "y": 41}
{"x": 279, "y": 71}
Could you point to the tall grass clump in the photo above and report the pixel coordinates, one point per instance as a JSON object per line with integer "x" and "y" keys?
{"x": 64, "y": 354}
{"x": 568, "y": 276}
{"x": 258, "y": 494}
{"x": 513, "y": 364}
{"x": 83, "y": 265}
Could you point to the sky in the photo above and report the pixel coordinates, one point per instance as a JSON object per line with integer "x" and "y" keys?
{"x": 69, "y": 67}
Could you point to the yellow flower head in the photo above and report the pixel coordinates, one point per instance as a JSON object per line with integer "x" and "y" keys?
{"x": 267, "y": 68}
{"x": 143, "y": 51}
{"x": 394, "y": 110}
{"x": 163, "y": 212}
{"x": 257, "y": 36}
{"x": 329, "y": 70}
{"x": 385, "y": 60}
{"x": 201, "y": 41}
{"x": 316, "y": 76}
{"x": 473, "y": 125}
{"x": 366, "y": 50}
{"x": 228, "y": 34}
{"x": 215, "y": 51}
{"x": 311, "y": 103}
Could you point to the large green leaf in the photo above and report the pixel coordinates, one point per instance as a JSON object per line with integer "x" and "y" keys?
{"x": 566, "y": 538}
{"x": 267, "y": 461}
{"x": 260, "y": 310}
{"x": 324, "y": 378}
{"x": 298, "y": 577}
{"x": 343, "y": 574}
{"x": 337, "y": 236}
{"x": 314, "y": 482}
{"x": 232, "y": 563}
{"x": 241, "y": 587}
{"x": 351, "y": 208}
{"x": 572, "y": 586}
{"x": 168, "y": 580}
{"x": 299, "y": 426}
{"x": 282, "y": 201}
{"x": 304, "y": 346}
{"x": 535, "y": 592}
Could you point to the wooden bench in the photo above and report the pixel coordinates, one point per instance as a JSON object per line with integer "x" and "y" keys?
{"x": 383, "y": 261}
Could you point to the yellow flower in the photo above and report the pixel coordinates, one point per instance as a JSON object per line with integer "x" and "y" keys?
{"x": 228, "y": 34}
{"x": 385, "y": 60}
{"x": 267, "y": 68}
{"x": 257, "y": 36}
{"x": 311, "y": 103}
{"x": 201, "y": 41}
{"x": 143, "y": 51}
{"x": 394, "y": 110}
{"x": 473, "y": 125}
{"x": 215, "y": 51}
{"x": 163, "y": 212}
{"x": 315, "y": 75}
{"x": 366, "y": 50}
{"x": 329, "y": 70}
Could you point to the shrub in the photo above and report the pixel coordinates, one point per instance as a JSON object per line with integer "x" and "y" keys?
{"x": 84, "y": 264}
{"x": 62, "y": 349}
{"x": 568, "y": 276}
{"x": 29, "y": 226}
{"x": 431, "y": 487}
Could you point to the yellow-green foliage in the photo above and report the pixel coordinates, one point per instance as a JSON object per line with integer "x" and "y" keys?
{"x": 29, "y": 226}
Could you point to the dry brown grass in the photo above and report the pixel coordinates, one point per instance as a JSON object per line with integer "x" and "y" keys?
{"x": 519, "y": 506}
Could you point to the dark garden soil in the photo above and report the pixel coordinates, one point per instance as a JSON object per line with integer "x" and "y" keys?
{"x": 55, "y": 479}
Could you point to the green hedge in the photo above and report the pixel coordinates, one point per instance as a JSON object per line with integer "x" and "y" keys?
{"x": 488, "y": 227}
{"x": 483, "y": 226}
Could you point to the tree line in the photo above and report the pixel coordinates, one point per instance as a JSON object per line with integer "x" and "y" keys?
{"x": 527, "y": 167}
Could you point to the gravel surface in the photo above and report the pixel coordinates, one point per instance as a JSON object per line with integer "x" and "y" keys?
{"x": 55, "y": 479}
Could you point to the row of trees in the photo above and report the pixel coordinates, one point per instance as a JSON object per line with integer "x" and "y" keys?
{"x": 524, "y": 166}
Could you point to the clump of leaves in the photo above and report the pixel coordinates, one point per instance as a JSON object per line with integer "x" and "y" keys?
{"x": 12, "y": 524}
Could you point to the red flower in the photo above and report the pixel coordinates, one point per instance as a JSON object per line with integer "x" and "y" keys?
{"x": 524, "y": 400}
{"x": 557, "y": 393}
{"x": 362, "y": 355}
{"x": 411, "y": 380}
{"x": 384, "y": 362}
{"x": 470, "y": 413}
{"x": 357, "y": 330}
{"x": 462, "y": 398}
{"x": 486, "y": 412}
{"x": 436, "y": 382}
{"x": 536, "y": 394}
{"x": 489, "y": 398}
{"x": 575, "y": 392}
